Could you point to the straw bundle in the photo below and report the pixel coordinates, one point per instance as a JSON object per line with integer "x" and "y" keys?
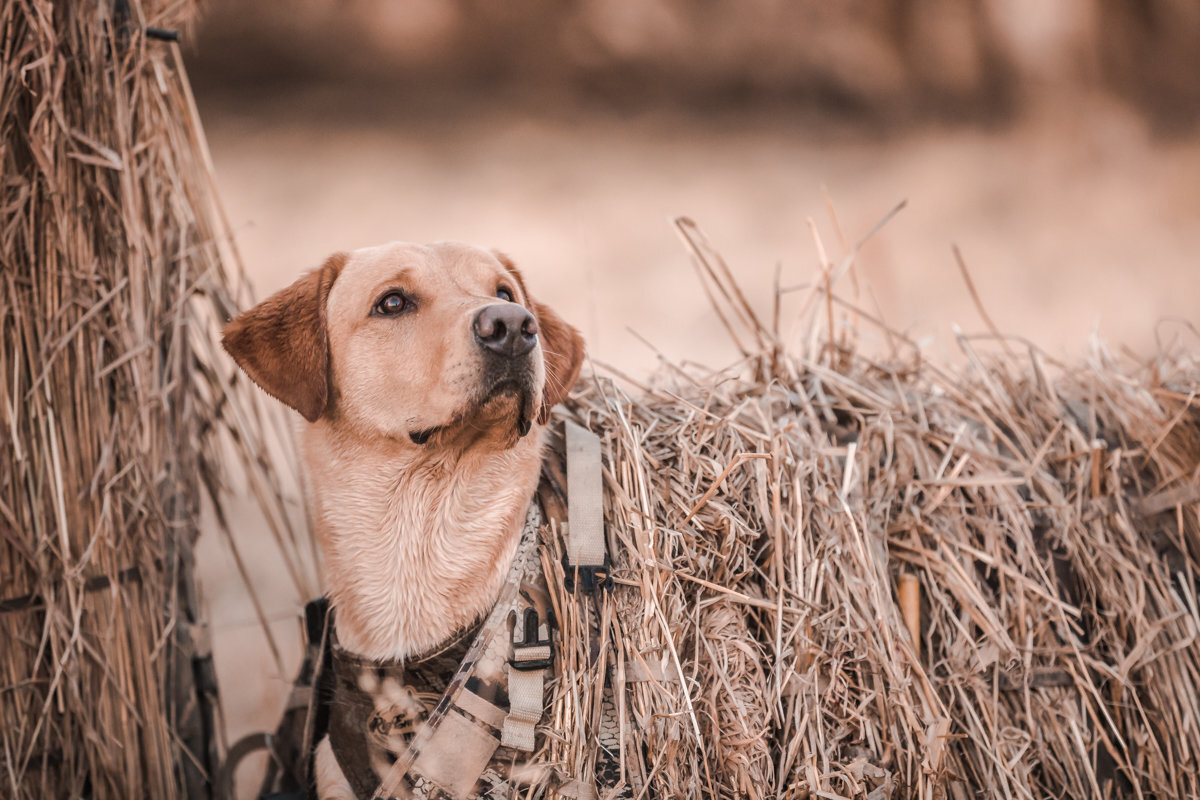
{"x": 110, "y": 290}
{"x": 839, "y": 578}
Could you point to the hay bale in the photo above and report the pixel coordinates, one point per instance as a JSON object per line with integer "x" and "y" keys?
{"x": 112, "y": 281}
{"x": 780, "y": 529}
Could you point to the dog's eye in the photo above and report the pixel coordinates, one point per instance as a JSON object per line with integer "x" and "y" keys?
{"x": 504, "y": 294}
{"x": 390, "y": 305}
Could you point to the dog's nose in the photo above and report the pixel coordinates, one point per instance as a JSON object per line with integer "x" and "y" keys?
{"x": 507, "y": 329}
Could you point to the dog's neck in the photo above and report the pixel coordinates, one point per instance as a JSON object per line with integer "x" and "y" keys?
{"x": 417, "y": 541}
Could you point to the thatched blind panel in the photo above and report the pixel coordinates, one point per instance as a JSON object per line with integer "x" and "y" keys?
{"x": 107, "y": 400}
{"x": 841, "y": 577}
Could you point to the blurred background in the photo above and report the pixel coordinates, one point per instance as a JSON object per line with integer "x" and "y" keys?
{"x": 1055, "y": 143}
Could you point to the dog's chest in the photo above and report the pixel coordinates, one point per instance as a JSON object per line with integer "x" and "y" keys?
{"x": 416, "y": 557}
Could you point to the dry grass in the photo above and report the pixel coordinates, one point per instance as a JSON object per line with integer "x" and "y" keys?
{"x": 1043, "y": 520}
{"x": 113, "y": 281}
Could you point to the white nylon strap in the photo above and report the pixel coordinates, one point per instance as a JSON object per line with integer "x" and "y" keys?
{"x": 524, "y": 708}
{"x": 531, "y": 654}
{"x": 585, "y": 548}
{"x": 585, "y": 510}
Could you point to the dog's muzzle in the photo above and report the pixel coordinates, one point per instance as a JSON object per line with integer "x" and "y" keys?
{"x": 506, "y": 333}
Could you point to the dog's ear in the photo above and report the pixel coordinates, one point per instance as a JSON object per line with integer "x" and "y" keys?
{"x": 562, "y": 347}
{"x": 283, "y": 345}
{"x": 562, "y": 350}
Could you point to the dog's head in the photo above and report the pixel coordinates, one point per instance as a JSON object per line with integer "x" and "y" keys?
{"x": 411, "y": 342}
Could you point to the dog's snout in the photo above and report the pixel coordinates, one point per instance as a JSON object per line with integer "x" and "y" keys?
{"x": 507, "y": 329}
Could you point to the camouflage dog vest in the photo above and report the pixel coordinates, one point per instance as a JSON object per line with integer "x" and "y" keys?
{"x": 459, "y": 722}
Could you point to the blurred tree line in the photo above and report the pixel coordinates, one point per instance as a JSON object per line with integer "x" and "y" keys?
{"x": 885, "y": 60}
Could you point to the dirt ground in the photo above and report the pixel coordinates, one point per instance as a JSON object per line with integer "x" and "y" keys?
{"x": 1073, "y": 222}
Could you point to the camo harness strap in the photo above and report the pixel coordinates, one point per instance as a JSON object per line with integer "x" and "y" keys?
{"x": 456, "y": 750}
{"x": 377, "y": 704}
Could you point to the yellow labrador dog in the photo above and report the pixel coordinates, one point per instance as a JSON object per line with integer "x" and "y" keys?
{"x": 426, "y": 375}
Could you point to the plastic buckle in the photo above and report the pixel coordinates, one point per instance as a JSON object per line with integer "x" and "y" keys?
{"x": 527, "y": 643}
{"x": 592, "y": 577}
